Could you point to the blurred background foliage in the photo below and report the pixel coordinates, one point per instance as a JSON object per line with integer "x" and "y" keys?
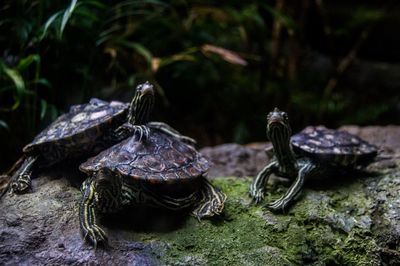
{"x": 219, "y": 66}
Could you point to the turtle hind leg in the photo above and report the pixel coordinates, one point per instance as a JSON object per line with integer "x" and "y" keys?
{"x": 167, "y": 129}
{"x": 211, "y": 201}
{"x": 21, "y": 180}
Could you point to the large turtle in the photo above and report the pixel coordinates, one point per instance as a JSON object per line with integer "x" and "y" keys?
{"x": 159, "y": 171}
{"x": 315, "y": 152}
{"x": 86, "y": 130}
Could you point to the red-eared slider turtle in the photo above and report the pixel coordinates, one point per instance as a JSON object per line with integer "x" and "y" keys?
{"x": 315, "y": 152}
{"x": 86, "y": 130}
{"x": 161, "y": 171}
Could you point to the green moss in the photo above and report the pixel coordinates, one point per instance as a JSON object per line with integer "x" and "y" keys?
{"x": 250, "y": 235}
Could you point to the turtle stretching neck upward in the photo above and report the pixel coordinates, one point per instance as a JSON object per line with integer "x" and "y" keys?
{"x": 315, "y": 152}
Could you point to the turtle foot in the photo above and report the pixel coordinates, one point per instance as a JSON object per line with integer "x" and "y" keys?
{"x": 257, "y": 196}
{"x": 95, "y": 236}
{"x": 211, "y": 203}
{"x": 141, "y": 132}
{"x": 22, "y": 185}
{"x": 208, "y": 209}
{"x": 278, "y": 206}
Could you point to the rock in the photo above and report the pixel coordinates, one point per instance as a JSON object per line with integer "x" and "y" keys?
{"x": 386, "y": 137}
{"x": 349, "y": 221}
{"x": 42, "y": 228}
{"x": 235, "y": 160}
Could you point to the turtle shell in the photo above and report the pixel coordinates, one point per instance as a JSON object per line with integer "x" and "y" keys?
{"x": 158, "y": 160}
{"x": 80, "y": 128}
{"x": 335, "y": 147}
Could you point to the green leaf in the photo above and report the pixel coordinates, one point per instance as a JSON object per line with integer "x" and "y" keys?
{"x": 43, "y": 82}
{"x": 15, "y": 76}
{"x": 67, "y": 15}
{"x": 48, "y": 23}
{"x": 25, "y": 62}
{"x": 139, "y": 48}
{"x": 107, "y": 34}
{"x": 97, "y": 4}
{"x": 165, "y": 61}
{"x": 43, "y": 108}
{"x": 16, "y": 104}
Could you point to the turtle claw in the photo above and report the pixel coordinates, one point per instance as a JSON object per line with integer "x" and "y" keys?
{"x": 277, "y": 206}
{"x": 95, "y": 236}
{"x": 143, "y": 132}
{"x": 257, "y": 196}
{"x": 208, "y": 209}
{"x": 212, "y": 202}
{"x": 22, "y": 184}
{"x": 140, "y": 132}
{"x": 188, "y": 140}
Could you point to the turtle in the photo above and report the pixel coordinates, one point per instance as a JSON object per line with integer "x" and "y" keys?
{"x": 316, "y": 152}
{"x": 81, "y": 131}
{"x": 160, "y": 171}
{"x": 86, "y": 130}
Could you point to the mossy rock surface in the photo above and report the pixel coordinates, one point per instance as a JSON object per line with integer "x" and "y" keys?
{"x": 325, "y": 227}
{"x": 353, "y": 220}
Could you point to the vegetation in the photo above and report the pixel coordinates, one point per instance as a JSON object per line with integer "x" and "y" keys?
{"x": 219, "y": 67}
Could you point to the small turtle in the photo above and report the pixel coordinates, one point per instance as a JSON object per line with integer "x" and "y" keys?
{"x": 86, "y": 130}
{"x": 160, "y": 171}
{"x": 82, "y": 131}
{"x": 315, "y": 152}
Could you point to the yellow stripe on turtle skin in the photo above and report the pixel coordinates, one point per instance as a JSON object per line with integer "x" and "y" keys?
{"x": 212, "y": 201}
{"x": 87, "y": 216}
{"x": 21, "y": 180}
{"x": 146, "y": 196}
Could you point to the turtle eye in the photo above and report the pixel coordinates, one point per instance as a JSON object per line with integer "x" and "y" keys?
{"x": 140, "y": 88}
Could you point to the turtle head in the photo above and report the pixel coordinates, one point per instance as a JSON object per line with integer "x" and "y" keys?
{"x": 142, "y": 104}
{"x": 107, "y": 187}
{"x": 278, "y": 128}
{"x": 278, "y": 132}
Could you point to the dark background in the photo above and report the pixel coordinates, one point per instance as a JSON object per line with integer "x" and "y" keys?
{"x": 219, "y": 66}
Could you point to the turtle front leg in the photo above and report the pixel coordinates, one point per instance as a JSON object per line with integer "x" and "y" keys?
{"x": 211, "y": 201}
{"x": 257, "y": 188}
{"x": 21, "y": 180}
{"x": 126, "y": 130}
{"x": 90, "y": 231}
{"x": 305, "y": 171}
{"x": 167, "y": 129}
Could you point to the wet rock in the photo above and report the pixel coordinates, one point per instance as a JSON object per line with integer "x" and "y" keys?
{"x": 349, "y": 221}
{"x": 41, "y": 228}
{"x": 235, "y": 160}
{"x": 385, "y": 137}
